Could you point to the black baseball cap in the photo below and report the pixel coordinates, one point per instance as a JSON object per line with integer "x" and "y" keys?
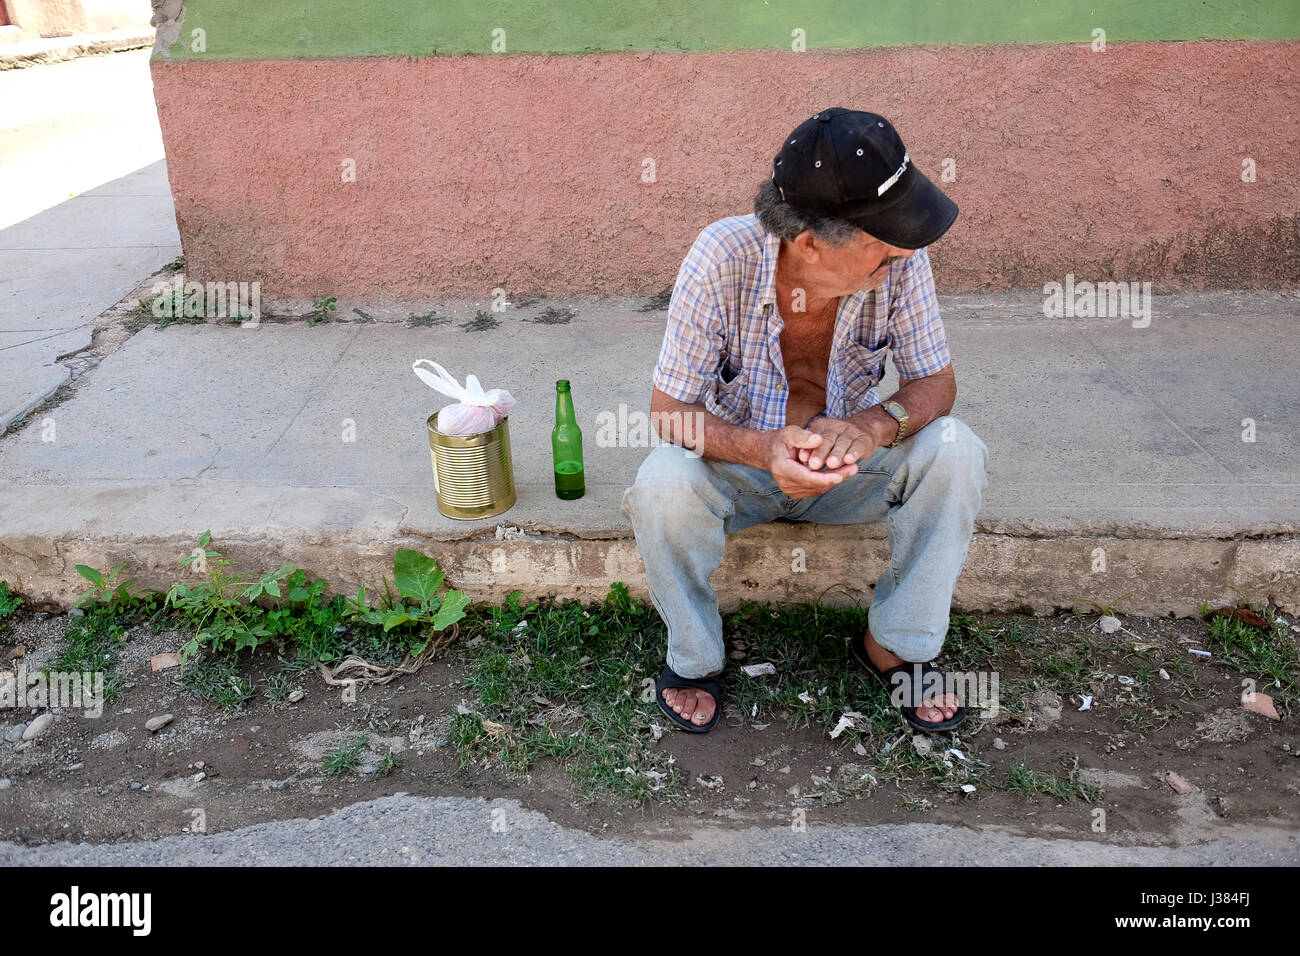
{"x": 847, "y": 164}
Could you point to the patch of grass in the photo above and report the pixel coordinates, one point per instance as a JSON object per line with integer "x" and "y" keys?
{"x": 1110, "y": 609}
{"x": 345, "y": 757}
{"x": 1072, "y": 669}
{"x": 915, "y": 803}
{"x": 563, "y": 681}
{"x": 1022, "y": 779}
{"x": 481, "y": 322}
{"x": 216, "y": 678}
{"x": 390, "y": 764}
{"x": 278, "y": 688}
{"x": 576, "y": 684}
{"x": 92, "y": 644}
{"x": 972, "y": 644}
{"x": 554, "y": 316}
{"x": 1270, "y": 657}
{"x": 426, "y": 321}
{"x": 176, "y": 265}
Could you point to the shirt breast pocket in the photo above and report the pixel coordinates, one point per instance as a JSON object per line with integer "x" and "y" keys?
{"x": 731, "y": 388}
{"x": 865, "y": 366}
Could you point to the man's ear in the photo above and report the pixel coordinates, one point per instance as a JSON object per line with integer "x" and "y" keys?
{"x": 807, "y": 245}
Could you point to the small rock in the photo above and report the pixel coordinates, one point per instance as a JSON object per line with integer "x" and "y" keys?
{"x": 198, "y": 777}
{"x": 1178, "y": 784}
{"x": 15, "y": 733}
{"x": 5, "y": 783}
{"x": 38, "y": 726}
{"x": 1108, "y": 624}
{"x": 759, "y": 670}
{"x": 1164, "y": 674}
{"x": 1261, "y": 704}
{"x": 76, "y": 612}
{"x": 296, "y": 696}
{"x": 999, "y": 743}
{"x": 199, "y": 765}
{"x": 155, "y": 724}
{"x": 135, "y": 784}
{"x": 17, "y": 652}
{"x": 72, "y": 768}
{"x": 921, "y": 744}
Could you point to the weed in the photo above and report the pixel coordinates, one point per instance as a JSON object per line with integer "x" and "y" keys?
{"x": 1268, "y": 656}
{"x": 1021, "y": 779}
{"x": 322, "y": 310}
{"x": 9, "y": 603}
{"x": 216, "y": 678}
{"x": 345, "y": 757}
{"x": 481, "y": 322}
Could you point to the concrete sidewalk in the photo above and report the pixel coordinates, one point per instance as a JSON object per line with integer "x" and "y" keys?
{"x": 1100, "y": 436}
{"x": 85, "y": 212}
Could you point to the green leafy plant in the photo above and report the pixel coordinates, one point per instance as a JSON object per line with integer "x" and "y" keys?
{"x": 321, "y": 309}
{"x": 9, "y": 602}
{"x": 418, "y": 579}
{"x": 221, "y": 607}
{"x": 106, "y": 589}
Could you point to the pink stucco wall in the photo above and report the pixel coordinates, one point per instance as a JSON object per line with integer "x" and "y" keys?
{"x": 525, "y": 171}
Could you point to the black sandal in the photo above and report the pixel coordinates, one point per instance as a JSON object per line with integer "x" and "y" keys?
{"x": 895, "y": 677}
{"x": 671, "y": 681}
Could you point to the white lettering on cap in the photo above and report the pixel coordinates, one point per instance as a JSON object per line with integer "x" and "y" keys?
{"x": 894, "y": 178}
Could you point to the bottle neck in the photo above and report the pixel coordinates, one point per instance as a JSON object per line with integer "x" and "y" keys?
{"x": 564, "y": 406}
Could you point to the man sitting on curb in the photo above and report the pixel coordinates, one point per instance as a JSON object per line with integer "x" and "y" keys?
{"x": 778, "y": 329}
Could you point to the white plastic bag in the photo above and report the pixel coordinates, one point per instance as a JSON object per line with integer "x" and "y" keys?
{"x": 475, "y": 411}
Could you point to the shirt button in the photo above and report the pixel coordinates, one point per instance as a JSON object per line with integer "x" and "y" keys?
{"x": 780, "y": 386}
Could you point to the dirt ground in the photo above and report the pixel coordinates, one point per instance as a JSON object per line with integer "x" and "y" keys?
{"x": 110, "y": 779}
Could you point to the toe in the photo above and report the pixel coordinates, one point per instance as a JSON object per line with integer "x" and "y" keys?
{"x": 703, "y": 709}
{"x": 687, "y": 700}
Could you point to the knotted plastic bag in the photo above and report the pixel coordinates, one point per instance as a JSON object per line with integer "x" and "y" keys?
{"x": 475, "y": 410}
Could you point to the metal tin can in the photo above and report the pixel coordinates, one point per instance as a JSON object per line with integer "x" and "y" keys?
{"x": 472, "y": 474}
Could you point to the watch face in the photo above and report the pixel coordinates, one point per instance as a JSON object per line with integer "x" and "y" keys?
{"x": 896, "y": 410}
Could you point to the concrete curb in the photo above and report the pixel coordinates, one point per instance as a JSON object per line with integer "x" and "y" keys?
{"x": 16, "y": 56}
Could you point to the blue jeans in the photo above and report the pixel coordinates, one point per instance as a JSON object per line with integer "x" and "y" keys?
{"x": 927, "y": 491}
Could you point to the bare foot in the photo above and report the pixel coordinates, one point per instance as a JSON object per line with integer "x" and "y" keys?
{"x": 937, "y": 709}
{"x": 697, "y": 706}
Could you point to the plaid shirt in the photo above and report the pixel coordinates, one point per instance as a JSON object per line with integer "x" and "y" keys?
{"x": 722, "y": 344}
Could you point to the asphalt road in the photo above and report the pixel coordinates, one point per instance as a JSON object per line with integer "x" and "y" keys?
{"x": 418, "y": 831}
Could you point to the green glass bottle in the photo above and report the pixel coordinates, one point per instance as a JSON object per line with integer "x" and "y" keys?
{"x": 566, "y": 444}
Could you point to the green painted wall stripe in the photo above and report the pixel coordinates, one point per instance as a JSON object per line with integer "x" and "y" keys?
{"x": 280, "y": 29}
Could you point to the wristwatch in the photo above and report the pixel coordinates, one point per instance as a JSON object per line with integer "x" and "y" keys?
{"x": 899, "y": 413}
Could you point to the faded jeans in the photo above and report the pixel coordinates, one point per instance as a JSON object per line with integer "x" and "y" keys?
{"x": 927, "y": 491}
